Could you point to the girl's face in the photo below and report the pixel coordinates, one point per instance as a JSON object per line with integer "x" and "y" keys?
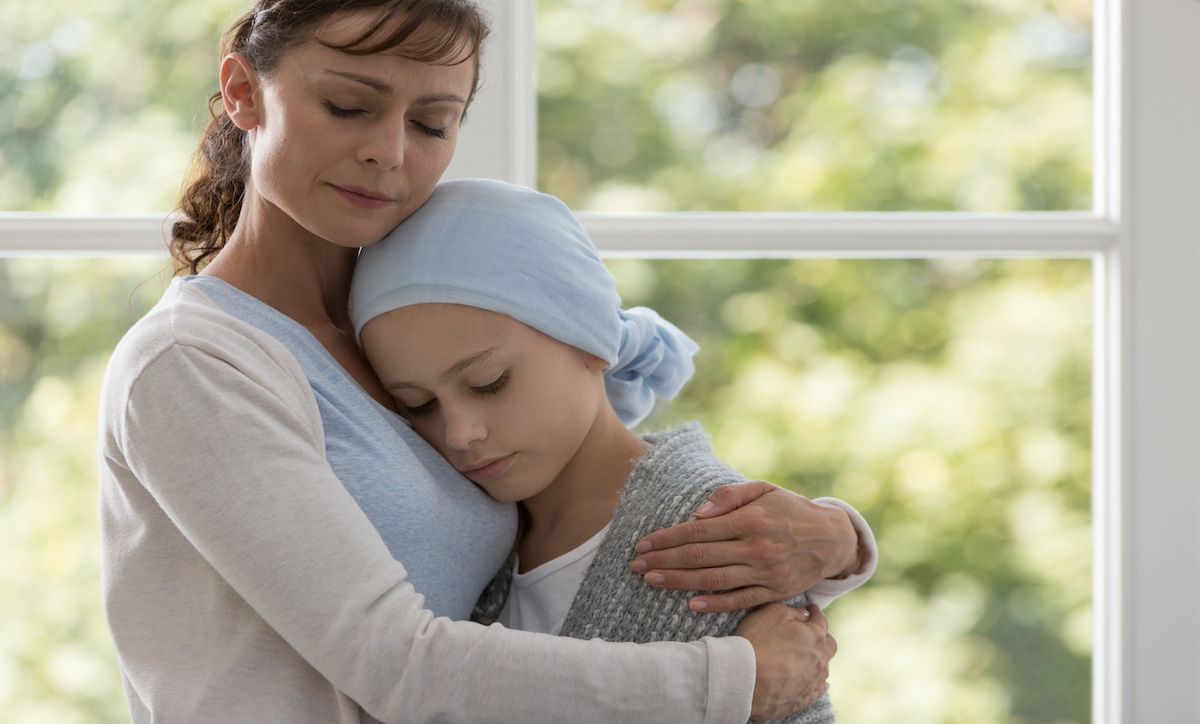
{"x": 505, "y": 404}
{"x": 349, "y": 146}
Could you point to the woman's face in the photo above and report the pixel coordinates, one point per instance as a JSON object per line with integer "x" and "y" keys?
{"x": 508, "y": 406}
{"x": 349, "y": 146}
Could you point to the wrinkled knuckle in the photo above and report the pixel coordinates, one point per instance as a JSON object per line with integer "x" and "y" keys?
{"x": 693, "y": 531}
{"x": 695, "y": 554}
{"x": 744, "y": 600}
{"x": 715, "y": 581}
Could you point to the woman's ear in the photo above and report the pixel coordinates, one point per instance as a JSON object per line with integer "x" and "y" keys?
{"x": 239, "y": 92}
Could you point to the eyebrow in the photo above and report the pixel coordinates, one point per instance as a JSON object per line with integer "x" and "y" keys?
{"x": 385, "y": 89}
{"x": 458, "y": 367}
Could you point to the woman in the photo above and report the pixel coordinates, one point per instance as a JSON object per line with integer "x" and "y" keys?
{"x": 242, "y": 582}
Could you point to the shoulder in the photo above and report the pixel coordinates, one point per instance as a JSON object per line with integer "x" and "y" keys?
{"x": 676, "y": 474}
{"x": 186, "y": 337}
{"x": 184, "y": 319}
{"x": 682, "y": 459}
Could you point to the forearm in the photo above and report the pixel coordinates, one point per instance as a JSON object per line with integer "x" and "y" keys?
{"x": 286, "y": 546}
{"x": 520, "y": 676}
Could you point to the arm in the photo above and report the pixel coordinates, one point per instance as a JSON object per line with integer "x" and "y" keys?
{"x": 760, "y": 543}
{"x": 236, "y": 462}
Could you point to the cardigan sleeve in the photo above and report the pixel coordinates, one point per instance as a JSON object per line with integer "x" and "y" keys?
{"x": 225, "y": 438}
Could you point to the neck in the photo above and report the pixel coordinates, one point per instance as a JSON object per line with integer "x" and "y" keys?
{"x": 582, "y": 498}
{"x": 274, "y": 259}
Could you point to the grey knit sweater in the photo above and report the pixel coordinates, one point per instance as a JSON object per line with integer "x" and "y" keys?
{"x": 668, "y": 483}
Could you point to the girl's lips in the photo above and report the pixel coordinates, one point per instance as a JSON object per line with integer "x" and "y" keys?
{"x": 362, "y": 198}
{"x": 490, "y": 470}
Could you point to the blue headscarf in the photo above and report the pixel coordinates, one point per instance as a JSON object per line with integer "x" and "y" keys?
{"x": 521, "y": 253}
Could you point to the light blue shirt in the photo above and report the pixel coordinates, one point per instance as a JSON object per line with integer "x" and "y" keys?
{"x": 450, "y": 536}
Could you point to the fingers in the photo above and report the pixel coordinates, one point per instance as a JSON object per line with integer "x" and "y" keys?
{"x": 691, "y": 556}
{"x": 693, "y": 531}
{"x": 743, "y": 522}
{"x": 721, "y": 578}
{"x": 732, "y": 497}
{"x": 739, "y": 600}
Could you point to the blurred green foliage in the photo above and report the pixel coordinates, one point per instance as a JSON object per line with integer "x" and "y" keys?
{"x": 949, "y": 400}
{"x": 104, "y": 101}
{"x": 815, "y": 105}
{"x": 974, "y": 105}
{"x": 59, "y": 320}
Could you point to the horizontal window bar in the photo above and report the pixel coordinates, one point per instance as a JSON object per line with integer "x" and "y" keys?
{"x": 672, "y": 235}
{"x": 851, "y": 235}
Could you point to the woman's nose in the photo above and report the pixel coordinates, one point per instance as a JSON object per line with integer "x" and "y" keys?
{"x": 384, "y": 146}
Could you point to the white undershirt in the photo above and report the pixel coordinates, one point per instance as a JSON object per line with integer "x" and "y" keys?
{"x": 540, "y": 599}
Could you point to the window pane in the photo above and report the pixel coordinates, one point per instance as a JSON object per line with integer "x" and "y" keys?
{"x": 800, "y": 105}
{"x": 100, "y": 114}
{"x": 61, "y": 319}
{"x": 947, "y": 400}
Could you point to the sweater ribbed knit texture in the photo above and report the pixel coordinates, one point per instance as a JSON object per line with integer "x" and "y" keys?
{"x": 668, "y": 483}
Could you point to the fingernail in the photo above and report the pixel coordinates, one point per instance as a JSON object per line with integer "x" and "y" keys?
{"x": 638, "y": 565}
{"x": 655, "y": 579}
{"x": 697, "y": 605}
{"x": 644, "y": 546}
{"x": 703, "y": 509}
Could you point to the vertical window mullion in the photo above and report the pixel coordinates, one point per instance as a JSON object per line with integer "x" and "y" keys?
{"x": 499, "y": 139}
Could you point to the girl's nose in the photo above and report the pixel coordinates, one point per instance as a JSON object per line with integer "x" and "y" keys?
{"x": 463, "y": 431}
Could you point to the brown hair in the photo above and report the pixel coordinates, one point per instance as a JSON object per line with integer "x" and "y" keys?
{"x": 212, "y": 199}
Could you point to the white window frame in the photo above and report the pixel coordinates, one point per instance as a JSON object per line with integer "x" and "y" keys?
{"x": 1143, "y": 235}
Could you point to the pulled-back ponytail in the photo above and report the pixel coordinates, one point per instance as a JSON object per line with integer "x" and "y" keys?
{"x": 212, "y": 197}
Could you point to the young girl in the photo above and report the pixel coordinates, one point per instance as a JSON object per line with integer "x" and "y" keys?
{"x": 492, "y": 321}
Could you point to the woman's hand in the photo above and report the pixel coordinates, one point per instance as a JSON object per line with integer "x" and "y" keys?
{"x": 755, "y": 543}
{"x": 792, "y": 649}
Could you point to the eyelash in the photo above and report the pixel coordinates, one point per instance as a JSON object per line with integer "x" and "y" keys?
{"x": 430, "y": 130}
{"x": 339, "y": 112}
{"x": 491, "y": 388}
{"x": 419, "y": 410}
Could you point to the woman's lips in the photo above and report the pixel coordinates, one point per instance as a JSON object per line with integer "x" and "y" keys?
{"x": 489, "y": 470}
{"x": 363, "y": 198}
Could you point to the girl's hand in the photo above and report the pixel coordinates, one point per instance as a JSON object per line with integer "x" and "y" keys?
{"x": 792, "y": 648}
{"x": 753, "y": 542}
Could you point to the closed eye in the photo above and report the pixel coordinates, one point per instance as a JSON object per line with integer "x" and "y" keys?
{"x": 430, "y": 130}
{"x": 423, "y": 409}
{"x": 340, "y": 112}
{"x": 493, "y": 387}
